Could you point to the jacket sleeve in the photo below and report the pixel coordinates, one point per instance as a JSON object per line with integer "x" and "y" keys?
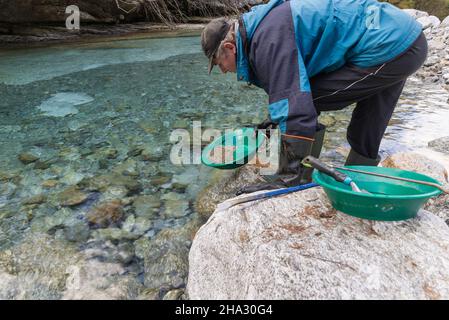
{"x": 280, "y": 70}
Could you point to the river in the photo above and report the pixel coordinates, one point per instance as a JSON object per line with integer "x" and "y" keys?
{"x": 85, "y": 133}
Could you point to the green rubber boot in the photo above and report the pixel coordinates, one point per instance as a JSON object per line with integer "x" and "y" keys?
{"x": 356, "y": 159}
{"x": 291, "y": 172}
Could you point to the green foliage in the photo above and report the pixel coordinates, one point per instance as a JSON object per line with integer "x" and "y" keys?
{"x": 439, "y": 8}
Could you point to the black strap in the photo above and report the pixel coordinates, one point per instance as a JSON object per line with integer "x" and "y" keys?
{"x": 246, "y": 45}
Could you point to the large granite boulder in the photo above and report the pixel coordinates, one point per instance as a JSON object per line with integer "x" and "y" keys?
{"x": 299, "y": 247}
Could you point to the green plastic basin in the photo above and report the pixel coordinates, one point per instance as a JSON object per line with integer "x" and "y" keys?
{"x": 391, "y": 200}
{"x": 245, "y": 143}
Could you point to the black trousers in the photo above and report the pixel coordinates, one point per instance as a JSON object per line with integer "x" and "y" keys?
{"x": 376, "y": 90}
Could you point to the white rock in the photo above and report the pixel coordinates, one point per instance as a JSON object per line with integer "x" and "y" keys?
{"x": 437, "y": 45}
{"x": 63, "y": 104}
{"x": 445, "y": 22}
{"x": 418, "y": 163}
{"x": 428, "y": 22}
{"x": 416, "y": 13}
{"x": 298, "y": 247}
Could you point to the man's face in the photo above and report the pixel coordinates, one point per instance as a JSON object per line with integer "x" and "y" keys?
{"x": 226, "y": 59}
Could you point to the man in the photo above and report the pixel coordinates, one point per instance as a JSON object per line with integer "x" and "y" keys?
{"x": 319, "y": 55}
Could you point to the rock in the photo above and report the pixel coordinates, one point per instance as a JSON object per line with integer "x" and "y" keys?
{"x": 7, "y": 190}
{"x": 127, "y": 168}
{"x": 175, "y": 204}
{"x": 72, "y": 178}
{"x": 76, "y": 231}
{"x": 431, "y": 60}
{"x": 94, "y": 280}
{"x": 63, "y": 104}
{"x": 416, "y": 13}
{"x": 39, "y": 199}
{"x": 441, "y": 145}
{"x": 182, "y": 181}
{"x": 109, "y": 153}
{"x": 437, "y": 45}
{"x": 135, "y": 151}
{"x": 71, "y": 197}
{"x": 224, "y": 186}
{"x": 104, "y": 182}
{"x": 6, "y": 176}
{"x": 417, "y": 163}
{"x": 165, "y": 257}
{"x": 36, "y": 268}
{"x": 439, "y": 206}
{"x": 106, "y": 213}
{"x": 173, "y": 294}
{"x": 152, "y": 294}
{"x": 42, "y": 165}
{"x": 327, "y": 120}
{"x": 445, "y": 22}
{"x": 49, "y": 184}
{"x": 181, "y": 124}
{"x": 51, "y": 223}
{"x": 429, "y": 22}
{"x": 153, "y": 154}
{"x": 147, "y": 206}
{"x": 27, "y": 158}
{"x": 114, "y": 234}
{"x": 298, "y": 247}
{"x": 160, "y": 179}
{"x": 139, "y": 226}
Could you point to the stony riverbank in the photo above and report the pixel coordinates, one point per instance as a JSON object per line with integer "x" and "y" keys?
{"x": 436, "y": 67}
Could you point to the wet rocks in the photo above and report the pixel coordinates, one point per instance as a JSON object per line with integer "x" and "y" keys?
{"x": 114, "y": 234}
{"x": 417, "y": 163}
{"x": 39, "y": 199}
{"x": 441, "y": 145}
{"x": 175, "y": 205}
{"x": 48, "y": 184}
{"x": 104, "y": 182}
{"x": 147, "y": 206}
{"x": 224, "y": 186}
{"x": 138, "y": 226}
{"x": 153, "y": 154}
{"x": 95, "y": 280}
{"x": 71, "y": 196}
{"x": 106, "y": 213}
{"x": 165, "y": 257}
{"x": 429, "y": 21}
{"x": 27, "y": 158}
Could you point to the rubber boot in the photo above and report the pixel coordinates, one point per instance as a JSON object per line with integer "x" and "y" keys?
{"x": 291, "y": 172}
{"x": 356, "y": 159}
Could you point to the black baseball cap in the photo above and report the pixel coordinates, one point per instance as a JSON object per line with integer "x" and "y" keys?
{"x": 212, "y": 36}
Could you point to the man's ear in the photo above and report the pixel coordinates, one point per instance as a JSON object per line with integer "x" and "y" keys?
{"x": 230, "y": 46}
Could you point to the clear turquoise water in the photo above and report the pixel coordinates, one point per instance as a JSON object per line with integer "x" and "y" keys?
{"x": 70, "y": 105}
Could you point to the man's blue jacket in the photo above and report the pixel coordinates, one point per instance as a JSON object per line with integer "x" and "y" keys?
{"x": 282, "y": 44}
